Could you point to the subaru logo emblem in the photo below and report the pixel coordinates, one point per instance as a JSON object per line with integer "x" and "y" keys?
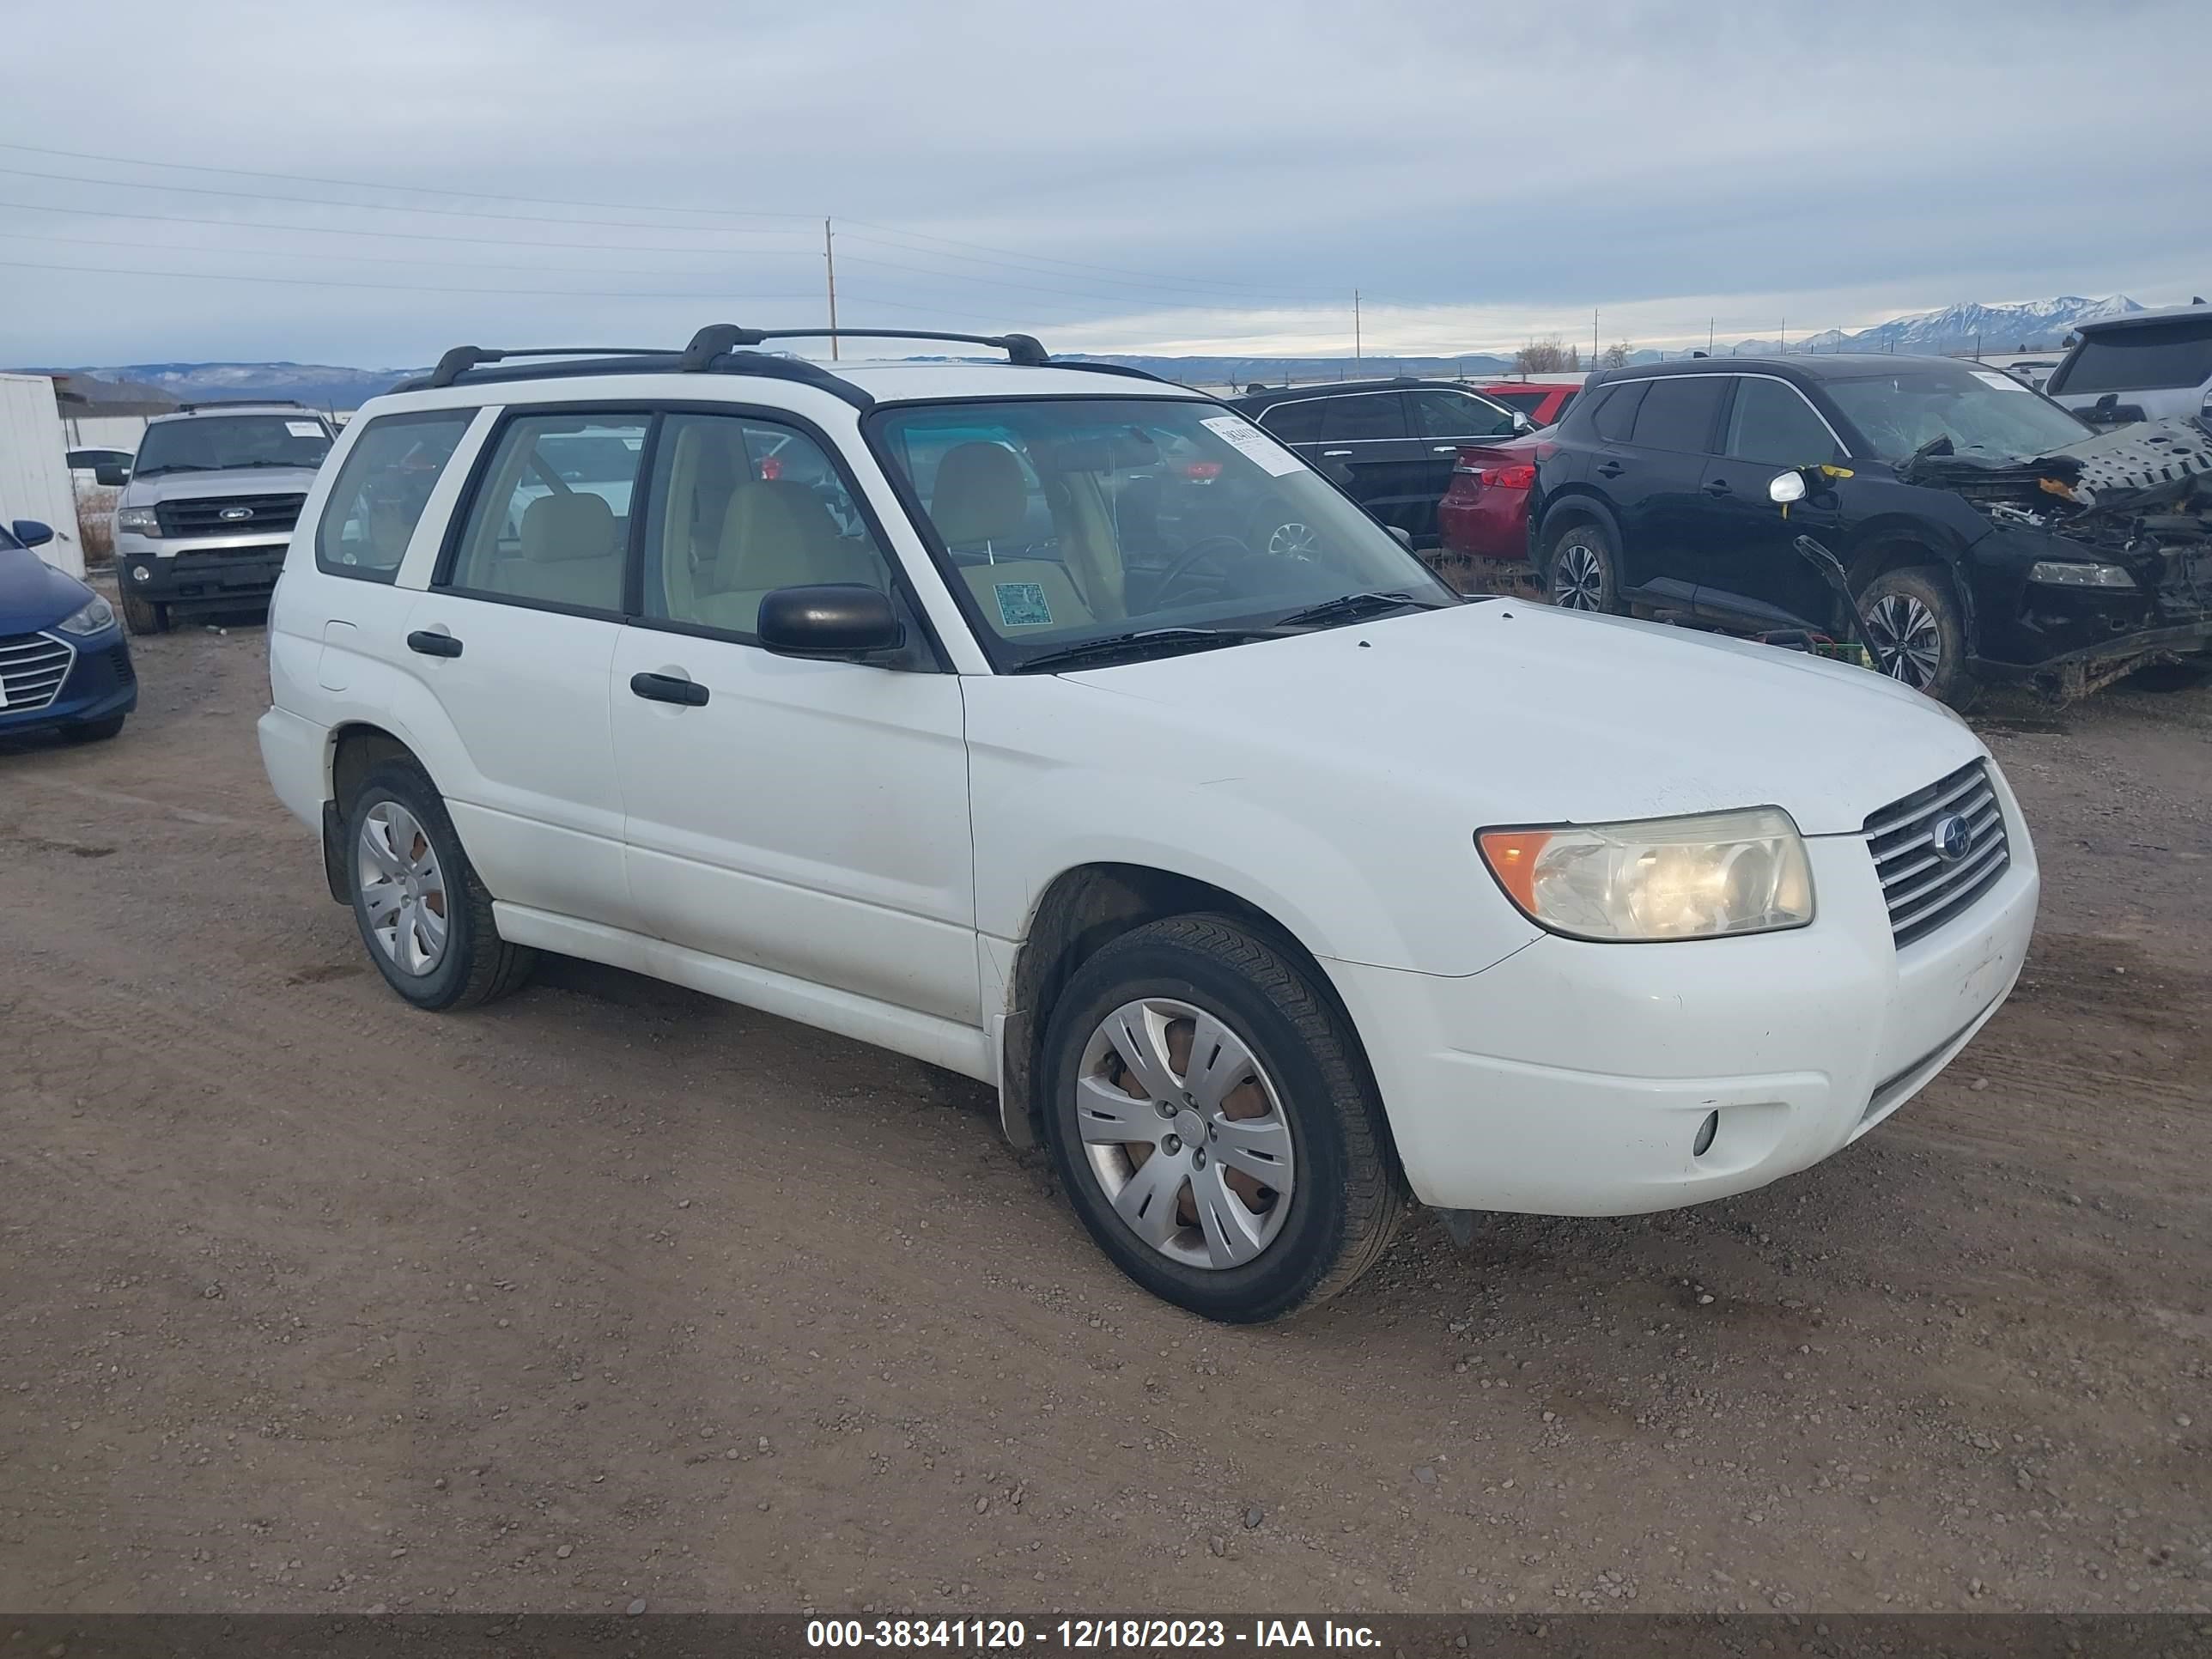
{"x": 232, "y": 514}
{"x": 1952, "y": 835}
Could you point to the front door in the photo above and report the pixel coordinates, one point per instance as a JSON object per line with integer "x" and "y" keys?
{"x": 1444, "y": 420}
{"x": 1746, "y": 555}
{"x": 810, "y": 818}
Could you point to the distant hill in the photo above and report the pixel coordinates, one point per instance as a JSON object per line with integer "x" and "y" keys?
{"x": 321, "y": 386}
{"x": 2035, "y": 326}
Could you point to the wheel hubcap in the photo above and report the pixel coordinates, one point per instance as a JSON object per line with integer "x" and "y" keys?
{"x": 1578, "y": 578}
{"x": 1906, "y": 639}
{"x": 1185, "y": 1132}
{"x": 403, "y": 889}
{"x": 1292, "y": 541}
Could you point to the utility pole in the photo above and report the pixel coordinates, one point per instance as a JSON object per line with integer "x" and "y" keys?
{"x": 1785, "y": 337}
{"x": 829, "y": 262}
{"x": 1594, "y": 353}
{"x": 1355, "y": 325}
{"x": 1709, "y": 321}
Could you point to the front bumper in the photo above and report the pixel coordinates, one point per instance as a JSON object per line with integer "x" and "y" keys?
{"x": 1573, "y": 1078}
{"x": 99, "y": 684}
{"x": 211, "y": 571}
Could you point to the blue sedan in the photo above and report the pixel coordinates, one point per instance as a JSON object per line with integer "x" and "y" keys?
{"x": 64, "y": 665}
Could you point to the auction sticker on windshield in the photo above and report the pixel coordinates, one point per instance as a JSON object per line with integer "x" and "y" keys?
{"x": 2004, "y": 382}
{"x": 1022, "y": 604}
{"x": 1252, "y": 443}
{"x": 303, "y": 428}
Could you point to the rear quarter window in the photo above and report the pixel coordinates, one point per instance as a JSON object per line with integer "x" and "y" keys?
{"x": 382, "y": 490}
{"x": 2149, "y": 357}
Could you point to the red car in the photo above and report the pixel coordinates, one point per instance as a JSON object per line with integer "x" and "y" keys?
{"x": 1485, "y": 513}
{"x": 1542, "y": 402}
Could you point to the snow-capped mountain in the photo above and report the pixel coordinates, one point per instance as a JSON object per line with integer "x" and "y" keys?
{"x": 2034, "y": 326}
{"x": 320, "y": 385}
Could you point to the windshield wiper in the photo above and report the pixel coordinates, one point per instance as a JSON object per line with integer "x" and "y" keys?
{"x": 173, "y": 466}
{"x": 1145, "y": 643}
{"x": 1351, "y": 605}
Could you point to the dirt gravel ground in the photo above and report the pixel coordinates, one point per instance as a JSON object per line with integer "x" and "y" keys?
{"x": 613, "y": 1293}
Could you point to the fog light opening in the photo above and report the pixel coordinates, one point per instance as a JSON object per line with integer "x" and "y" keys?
{"x": 139, "y": 573}
{"x": 1707, "y": 1131}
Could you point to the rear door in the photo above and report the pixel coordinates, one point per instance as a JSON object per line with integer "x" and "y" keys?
{"x": 515, "y": 639}
{"x": 1745, "y": 556}
{"x": 1653, "y": 479}
{"x": 1444, "y": 420}
{"x": 1368, "y": 436}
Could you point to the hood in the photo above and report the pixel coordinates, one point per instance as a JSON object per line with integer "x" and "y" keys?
{"x": 34, "y": 595}
{"x": 2130, "y": 469}
{"x": 243, "y": 481}
{"x": 1561, "y": 717}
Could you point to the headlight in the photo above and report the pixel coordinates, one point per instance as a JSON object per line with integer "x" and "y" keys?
{"x": 1697, "y": 878}
{"x": 2069, "y": 573}
{"x": 96, "y": 614}
{"x": 138, "y": 520}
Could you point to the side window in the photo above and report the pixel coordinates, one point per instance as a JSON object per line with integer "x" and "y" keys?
{"x": 1771, "y": 423}
{"x": 1614, "y": 416}
{"x": 550, "y": 520}
{"x": 382, "y": 490}
{"x": 1365, "y": 416}
{"x": 740, "y": 508}
{"x": 1449, "y": 415}
{"x": 1296, "y": 422}
{"x": 1678, "y": 413}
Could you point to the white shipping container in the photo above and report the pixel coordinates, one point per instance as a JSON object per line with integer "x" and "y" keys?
{"x": 35, "y": 480}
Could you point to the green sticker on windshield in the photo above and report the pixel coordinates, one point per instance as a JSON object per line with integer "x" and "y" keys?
{"x": 1021, "y": 605}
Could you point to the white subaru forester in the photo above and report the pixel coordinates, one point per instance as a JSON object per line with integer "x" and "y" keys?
{"x": 964, "y": 708}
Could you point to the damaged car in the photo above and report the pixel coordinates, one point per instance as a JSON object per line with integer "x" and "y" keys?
{"x": 1989, "y": 534}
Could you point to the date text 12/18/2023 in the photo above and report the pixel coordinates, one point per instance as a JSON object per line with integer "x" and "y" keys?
{"x": 1083, "y": 1635}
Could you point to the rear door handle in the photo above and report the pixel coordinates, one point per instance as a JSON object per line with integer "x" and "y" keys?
{"x": 1334, "y": 454}
{"x": 431, "y": 644}
{"x": 669, "y": 688}
{"x": 1444, "y": 449}
{"x": 1717, "y": 487}
{"x": 1610, "y": 468}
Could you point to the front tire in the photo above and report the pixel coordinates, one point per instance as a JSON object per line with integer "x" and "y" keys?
{"x": 1581, "y": 568}
{"x": 140, "y": 616}
{"x": 426, "y": 919}
{"x": 1916, "y": 634}
{"x": 1215, "y": 1124}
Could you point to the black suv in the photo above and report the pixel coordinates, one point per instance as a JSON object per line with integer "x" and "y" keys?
{"x": 1987, "y": 533}
{"x": 1389, "y": 443}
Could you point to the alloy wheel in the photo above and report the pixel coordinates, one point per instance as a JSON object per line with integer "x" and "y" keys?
{"x": 1186, "y": 1133}
{"x": 403, "y": 889}
{"x": 1906, "y": 639}
{"x": 1578, "y": 578}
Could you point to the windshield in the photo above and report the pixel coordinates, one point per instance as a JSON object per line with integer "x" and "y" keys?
{"x": 1981, "y": 412}
{"x": 224, "y": 443}
{"x": 1087, "y": 518}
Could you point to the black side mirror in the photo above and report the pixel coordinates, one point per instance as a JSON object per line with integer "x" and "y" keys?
{"x": 111, "y": 474}
{"x": 838, "y": 622}
{"x": 31, "y": 533}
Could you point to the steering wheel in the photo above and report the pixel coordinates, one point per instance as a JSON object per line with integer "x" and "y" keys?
{"x": 1204, "y": 548}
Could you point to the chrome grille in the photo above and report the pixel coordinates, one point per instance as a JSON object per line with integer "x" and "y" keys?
{"x": 224, "y": 515}
{"x": 1923, "y": 888}
{"x": 32, "y": 669}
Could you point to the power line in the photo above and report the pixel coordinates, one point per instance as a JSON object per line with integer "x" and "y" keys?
{"x": 360, "y": 183}
{"x": 377, "y": 207}
{"x": 720, "y": 296}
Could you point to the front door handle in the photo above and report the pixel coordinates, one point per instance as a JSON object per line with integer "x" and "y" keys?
{"x": 1610, "y": 468}
{"x": 432, "y": 644}
{"x": 669, "y": 688}
{"x": 1444, "y": 449}
{"x": 1717, "y": 487}
{"x": 1334, "y": 454}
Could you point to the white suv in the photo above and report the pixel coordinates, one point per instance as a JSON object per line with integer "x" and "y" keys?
{"x": 931, "y": 703}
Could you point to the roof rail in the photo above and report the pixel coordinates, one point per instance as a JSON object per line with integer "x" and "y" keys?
{"x": 239, "y": 402}
{"x": 461, "y": 359}
{"x": 718, "y": 337}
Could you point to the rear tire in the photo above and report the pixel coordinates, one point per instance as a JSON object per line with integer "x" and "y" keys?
{"x": 1581, "y": 568}
{"x": 140, "y": 616}
{"x": 1290, "y": 1093}
{"x": 406, "y": 874}
{"x": 1910, "y": 612}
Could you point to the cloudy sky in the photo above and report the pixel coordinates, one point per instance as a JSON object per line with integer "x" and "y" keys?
{"x": 367, "y": 183}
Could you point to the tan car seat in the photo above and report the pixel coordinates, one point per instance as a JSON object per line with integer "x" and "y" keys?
{"x": 570, "y": 552}
{"x": 981, "y": 501}
{"x": 776, "y": 533}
